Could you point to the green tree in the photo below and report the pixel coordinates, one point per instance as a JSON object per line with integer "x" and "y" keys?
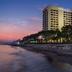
{"x": 67, "y": 33}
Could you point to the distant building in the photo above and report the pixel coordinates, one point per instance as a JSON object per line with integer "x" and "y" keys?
{"x": 55, "y": 17}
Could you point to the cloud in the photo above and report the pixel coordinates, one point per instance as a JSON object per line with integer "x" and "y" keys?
{"x": 19, "y": 28}
{"x": 35, "y": 18}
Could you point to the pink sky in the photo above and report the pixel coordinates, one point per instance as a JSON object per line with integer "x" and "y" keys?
{"x": 19, "y": 29}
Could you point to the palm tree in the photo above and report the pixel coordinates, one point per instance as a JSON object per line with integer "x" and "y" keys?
{"x": 67, "y": 33}
{"x": 58, "y": 35}
{"x": 46, "y": 35}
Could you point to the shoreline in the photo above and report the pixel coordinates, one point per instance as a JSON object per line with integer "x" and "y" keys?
{"x": 47, "y": 47}
{"x": 53, "y": 52}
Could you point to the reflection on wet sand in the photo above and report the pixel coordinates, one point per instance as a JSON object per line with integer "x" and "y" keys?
{"x": 15, "y": 59}
{"x": 63, "y": 66}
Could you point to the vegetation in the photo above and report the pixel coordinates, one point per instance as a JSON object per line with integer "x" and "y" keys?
{"x": 50, "y": 36}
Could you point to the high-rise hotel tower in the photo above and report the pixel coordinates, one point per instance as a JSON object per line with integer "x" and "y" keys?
{"x": 55, "y": 17}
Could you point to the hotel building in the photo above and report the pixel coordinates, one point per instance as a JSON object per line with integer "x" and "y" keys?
{"x": 55, "y": 17}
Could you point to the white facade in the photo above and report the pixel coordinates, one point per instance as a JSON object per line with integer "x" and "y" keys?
{"x": 56, "y": 17}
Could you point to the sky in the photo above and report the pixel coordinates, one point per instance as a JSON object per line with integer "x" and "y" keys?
{"x": 19, "y": 18}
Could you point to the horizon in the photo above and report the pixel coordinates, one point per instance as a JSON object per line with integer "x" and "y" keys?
{"x": 19, "y": 18}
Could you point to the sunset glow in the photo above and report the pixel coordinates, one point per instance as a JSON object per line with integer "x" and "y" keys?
{"x": 19, "y": 18}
